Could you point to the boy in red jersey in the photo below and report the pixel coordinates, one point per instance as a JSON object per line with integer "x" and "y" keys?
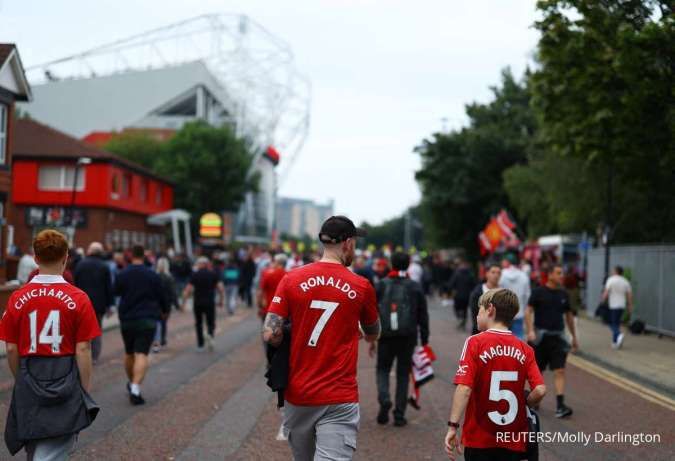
{"x": 491, "y": 376}
{"x": 48, "y": 326}
{"x": 325, "y": 302}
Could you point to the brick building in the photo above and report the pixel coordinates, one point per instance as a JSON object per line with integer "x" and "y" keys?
{"x": 62, "y": 182}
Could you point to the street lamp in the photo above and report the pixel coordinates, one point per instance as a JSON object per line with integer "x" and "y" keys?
{"x": 82, "y": 161}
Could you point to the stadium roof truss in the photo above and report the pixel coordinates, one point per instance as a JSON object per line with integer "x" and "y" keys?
{"x": 270, "y": 99}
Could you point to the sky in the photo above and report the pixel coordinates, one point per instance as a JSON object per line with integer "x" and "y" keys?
{"x": 384, "y": 74}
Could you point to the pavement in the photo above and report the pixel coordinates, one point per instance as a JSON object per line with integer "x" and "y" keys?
{"x": 215, "y": 406}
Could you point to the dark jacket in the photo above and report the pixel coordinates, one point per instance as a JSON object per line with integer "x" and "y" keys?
{"x": 473, "y": 306}
{"x": 47, "y": 401}
{"x": 277, "y": 373}
{"x": 419, "y": 301}
{"x": 142, "y": 296}
{"x": 92, "y": 275}
{"x": 462, "y": 283}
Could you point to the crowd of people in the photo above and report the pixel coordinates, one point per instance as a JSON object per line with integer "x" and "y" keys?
{"x": 314, "y": 308}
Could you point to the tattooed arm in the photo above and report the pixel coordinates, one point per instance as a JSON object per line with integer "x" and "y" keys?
{"x": 272, "y": 331}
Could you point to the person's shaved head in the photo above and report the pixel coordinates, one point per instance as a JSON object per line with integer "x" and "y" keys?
{"x": 95, "y": 248}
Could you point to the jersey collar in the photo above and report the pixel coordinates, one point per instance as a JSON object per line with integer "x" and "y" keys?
{"x": 47, "y": 279}
{"x": 502, "y": 332}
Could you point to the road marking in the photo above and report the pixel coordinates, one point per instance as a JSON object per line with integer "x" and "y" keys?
{"x": 623, "y": 383}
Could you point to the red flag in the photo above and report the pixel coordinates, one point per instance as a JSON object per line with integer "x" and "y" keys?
{"x": 484, "y": 244}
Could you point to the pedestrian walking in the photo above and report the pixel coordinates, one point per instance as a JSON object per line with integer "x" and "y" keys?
{"x": 491, "y": 376}
{"x": 181, "y": 269}
{"x": 492, "y": 277}
{"x": 231, "y": 275}
{"x": 618, "y": 295}
{"x": 324, "y": 302}
{"x": 203, "y": 285}
{"x": 517, "y": 281}
{"x": 461, "y": 284}
{"x": 92, "y": 276}
{"x": 169, "y": 288}
{"x": 25, "y": 267}
{"x": 142, "y": 304}
{"x": 403, "y": 314}
{"x": 269, "y": 281}
{"x": 247, "y": 273}
{"x": 47, "y": 328}
{"x": 547, "y": 312}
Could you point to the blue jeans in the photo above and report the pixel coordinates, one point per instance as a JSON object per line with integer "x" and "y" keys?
{"x": 615, "y": 316}
{"x": 517, "y": 328}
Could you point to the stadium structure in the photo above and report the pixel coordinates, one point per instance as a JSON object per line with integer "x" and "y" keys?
{"x": 221, "y": 68}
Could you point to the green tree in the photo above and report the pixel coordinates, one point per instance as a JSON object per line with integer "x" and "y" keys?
{"x": 461, "y": 173}
{"x": 137, "y": 146}
{"x": 603, "y": 95}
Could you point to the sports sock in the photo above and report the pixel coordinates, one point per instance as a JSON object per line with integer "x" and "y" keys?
{"x": 559, "y": 398}
{"x": 135, "y": 389}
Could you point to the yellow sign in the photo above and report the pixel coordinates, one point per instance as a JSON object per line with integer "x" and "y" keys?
{"x": 210, "y": 225}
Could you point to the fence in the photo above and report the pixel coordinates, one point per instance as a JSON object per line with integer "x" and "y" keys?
{"x": 651, "y": 271}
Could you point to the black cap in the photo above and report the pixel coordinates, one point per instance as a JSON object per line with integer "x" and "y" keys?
{"x": 337, "y": 229}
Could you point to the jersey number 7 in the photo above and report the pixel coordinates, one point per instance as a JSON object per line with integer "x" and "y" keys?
{"x": 328, "y": 310}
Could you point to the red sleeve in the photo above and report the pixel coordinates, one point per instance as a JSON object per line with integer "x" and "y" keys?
{"x": 534, "y": 377}
{"x": 369, "y": 312}
{"x": 9, "y": 329}
{"x": 87, "y": 325}
{"x": 279, "y": 304}
{"x": 466, "y": 370}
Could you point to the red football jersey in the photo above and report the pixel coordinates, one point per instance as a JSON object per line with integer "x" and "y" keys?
{"x": 495, "y": 365}
{"x": 269, "y": 281}
{"x": 47, "y": 317}
{"x": 324, "y": 302}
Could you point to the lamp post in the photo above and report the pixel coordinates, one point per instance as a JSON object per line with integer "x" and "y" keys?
{"x": 80, "y": 162}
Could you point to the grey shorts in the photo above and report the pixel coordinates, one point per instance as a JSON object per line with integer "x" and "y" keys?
{"x": 322, "y": 433}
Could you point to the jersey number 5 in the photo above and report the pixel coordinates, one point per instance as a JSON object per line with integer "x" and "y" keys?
{"x": 50, "y": 333}
{"x": 497, "y": 394}
{"x": 328, "y": 309}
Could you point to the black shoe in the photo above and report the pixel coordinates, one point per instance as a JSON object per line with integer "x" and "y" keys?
{"x": 400, "y": 421}
{"x": 383, "y": 415}
{"x": 136, "y": 399}
{"x": 563, "y": 411}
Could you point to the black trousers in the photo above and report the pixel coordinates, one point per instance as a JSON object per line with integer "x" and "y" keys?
{"x": 201, "y": 311}
{"x": 388, "y": 349}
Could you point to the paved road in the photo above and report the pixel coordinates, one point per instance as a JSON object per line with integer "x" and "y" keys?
{"x": 215, "y": 406}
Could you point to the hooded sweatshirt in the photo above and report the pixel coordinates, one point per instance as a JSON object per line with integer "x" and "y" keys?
{"x": 515, "y": 280}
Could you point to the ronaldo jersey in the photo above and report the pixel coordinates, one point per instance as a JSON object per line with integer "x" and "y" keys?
{"x": 48, "y": 317}
{"x": 495, "y": 365}
{"x": 324, "y": 302}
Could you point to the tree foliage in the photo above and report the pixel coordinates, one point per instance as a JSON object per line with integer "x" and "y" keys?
{"x": 209, "y": 165}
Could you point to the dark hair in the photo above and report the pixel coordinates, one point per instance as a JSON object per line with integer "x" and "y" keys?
{"x": 506, "y": 305}
{"x": 552, "y": 267}
{"x": 137, "y": 251}
{"x": 619, "y": 270}
{"x": 50, "y": 246}
{"x": 491, "y": 265}
{"x": 400, "y": 261}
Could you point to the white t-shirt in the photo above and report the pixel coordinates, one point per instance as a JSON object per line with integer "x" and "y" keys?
{"x": 618, "y": 288}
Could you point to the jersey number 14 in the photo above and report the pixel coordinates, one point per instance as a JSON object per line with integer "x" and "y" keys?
{"x": 49, "y": 334}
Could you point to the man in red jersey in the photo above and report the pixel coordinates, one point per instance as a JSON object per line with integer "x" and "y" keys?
{"x": 325, "y": 302}
{"x": 48, "y": 326}
{"x": 491, "y": 376}
{"x": 269, "y": 281}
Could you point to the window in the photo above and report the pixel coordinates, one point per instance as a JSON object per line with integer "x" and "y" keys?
{"x": 3, "y": 133}
{"x": 144, "y": 190}
{"x": 60, "y": 178}
{"x": 115, "y": 187}
{"x": 158, "y": 194}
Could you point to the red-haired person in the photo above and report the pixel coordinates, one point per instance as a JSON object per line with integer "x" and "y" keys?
{"x": 47, "y": 327}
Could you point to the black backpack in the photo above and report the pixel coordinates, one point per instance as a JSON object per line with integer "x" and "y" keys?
{"x": 398, "y": 314}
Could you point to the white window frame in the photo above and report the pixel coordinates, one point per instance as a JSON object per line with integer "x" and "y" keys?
{"x": 4, "y": 115}
{"x": 65, "y": 185}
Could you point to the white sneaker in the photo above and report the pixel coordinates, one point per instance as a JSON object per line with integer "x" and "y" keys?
{"x": 209, "y": 342}
{"x": 619, "y": 341}
{"x": 281, "y": 437}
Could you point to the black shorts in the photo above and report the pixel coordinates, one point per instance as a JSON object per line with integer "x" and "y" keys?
{"x": 552, "y": 352}
{"x": 138, "y": 341}
{"x": 492, "y": 454}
